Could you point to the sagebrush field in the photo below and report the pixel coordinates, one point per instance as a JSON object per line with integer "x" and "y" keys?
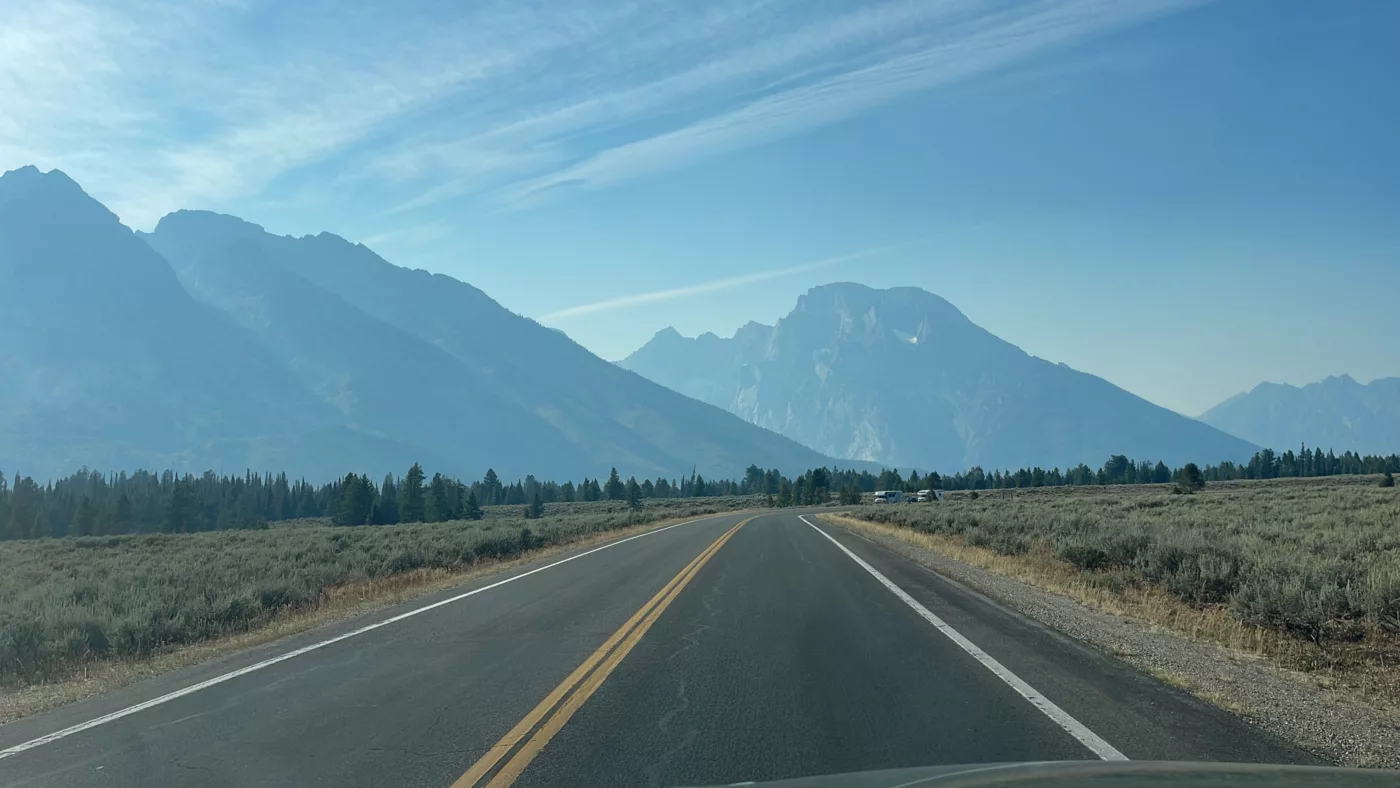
{"x": 68, "y": 602}
{"x": 1314, "y": 561}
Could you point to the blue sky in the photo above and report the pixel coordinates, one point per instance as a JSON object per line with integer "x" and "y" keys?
{"x": 1183, "y": 197}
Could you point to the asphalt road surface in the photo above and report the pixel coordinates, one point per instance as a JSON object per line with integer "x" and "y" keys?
{"x": 727, "y": 649}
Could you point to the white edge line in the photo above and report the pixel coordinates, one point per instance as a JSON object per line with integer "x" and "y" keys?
{"x": 1059, "y": 716}
{"x": 243, "y": 671}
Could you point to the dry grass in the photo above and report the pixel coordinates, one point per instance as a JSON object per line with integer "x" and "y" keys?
{"x": 1304, "y": 573}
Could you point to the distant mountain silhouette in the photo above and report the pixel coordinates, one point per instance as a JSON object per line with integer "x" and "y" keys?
{"x": 108, "y": 362}
{"x": 395, "y": 345}
{"x": 1336, "y": 413}
{"x": 901, "y": 377}
{"x": 210, "y": 344}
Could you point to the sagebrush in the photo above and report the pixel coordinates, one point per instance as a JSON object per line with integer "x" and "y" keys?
{"x": 1319, "y": 560}
{"x": 64, "y": 602}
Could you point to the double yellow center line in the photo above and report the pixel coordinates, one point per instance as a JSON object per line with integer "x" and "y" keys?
{"x": 534, "y": 731}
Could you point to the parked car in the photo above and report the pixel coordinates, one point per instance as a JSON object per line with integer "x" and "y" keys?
{"x": 888, "y": 496}
{"x": 924, "y": 496}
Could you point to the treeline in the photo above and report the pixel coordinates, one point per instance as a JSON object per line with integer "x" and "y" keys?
{"x": 1265, "y": 464}
{"x": 90, "y": 503}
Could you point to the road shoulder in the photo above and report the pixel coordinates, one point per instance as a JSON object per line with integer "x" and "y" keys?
{"x": 1332, "y": 724}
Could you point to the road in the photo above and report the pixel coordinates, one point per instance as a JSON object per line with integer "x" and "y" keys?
{"x": 732, "y": 648}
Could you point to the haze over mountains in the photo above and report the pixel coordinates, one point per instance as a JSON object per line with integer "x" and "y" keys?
{"x": 210, "y": 344}
{"x": 1336, "y": 413}
{"x": 902, "y": 377}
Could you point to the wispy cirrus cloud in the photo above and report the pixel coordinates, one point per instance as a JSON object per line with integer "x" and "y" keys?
{"x": 976, "y": 46}
{"x": 705, "y": 288}
{"x": 161, "y": 104}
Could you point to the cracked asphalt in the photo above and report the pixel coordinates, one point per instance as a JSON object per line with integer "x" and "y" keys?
{"x": 782, "y": 658}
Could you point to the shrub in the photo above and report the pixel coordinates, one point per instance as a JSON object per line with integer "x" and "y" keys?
{"x": 1081, "y": 553}
{"x": 1010, "y": 544}
{"x": 1191, "y": 478}
{"x": 1388, "y": 479}
{"x": 1205, "y": 575}
{"x": 1303, "y": 600}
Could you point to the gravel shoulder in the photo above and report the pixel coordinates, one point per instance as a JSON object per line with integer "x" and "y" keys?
{"x": 1335, "y": 724}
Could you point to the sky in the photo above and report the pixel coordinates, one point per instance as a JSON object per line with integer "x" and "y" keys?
{"x": 1184, "y": 197}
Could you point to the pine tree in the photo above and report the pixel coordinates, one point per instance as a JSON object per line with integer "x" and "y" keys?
{"x": 615, "y": 490}
{"x": 356, "y": 501}
{"x": 121, "y": 522}
{"x": 1388, "y": 480}
{"x": 412, "y": 505}
{"x": 182, "y": 512}
{"x": 473, "y": 508}
{"x": 491, "y": 488}
{"x": 536, "y": 508}
{"x": 441, "y": 507}
{"x": 84, "y": 520}
{"x": 634, "y": 494}
{"x": 515, "y": 494}
{"x": 386, "y": 508}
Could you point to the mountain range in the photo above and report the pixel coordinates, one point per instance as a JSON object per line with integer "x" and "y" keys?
{"x": 211, "y": 344}
{"x": 1335, "y": 413}
{"x": 901, "y": 376}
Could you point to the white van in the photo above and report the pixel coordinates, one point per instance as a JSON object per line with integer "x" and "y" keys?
{"x": 888, "y": 496}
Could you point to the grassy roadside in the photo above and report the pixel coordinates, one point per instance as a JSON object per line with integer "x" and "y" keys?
{"x": 49, "y": 584}
{"x": 1303, "y": 575}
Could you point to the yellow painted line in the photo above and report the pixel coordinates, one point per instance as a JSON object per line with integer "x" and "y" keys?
{"x": 628, "y": 635}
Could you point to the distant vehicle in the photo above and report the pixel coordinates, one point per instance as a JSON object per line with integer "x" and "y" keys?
{"x": 924, "y": 496}
{"x": 888, "y": 496}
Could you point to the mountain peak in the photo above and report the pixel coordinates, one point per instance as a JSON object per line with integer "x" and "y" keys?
{"x": 1336, "y": 412}
{"x": 59, "y": 193}
{"x": 186, "y": 220}
{"x": 900, "y": 376}
{"x": 858, "y": 296}
{"x": 16, "y": 183}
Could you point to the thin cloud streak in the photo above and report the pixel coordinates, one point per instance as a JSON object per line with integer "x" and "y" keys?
{"x": 161, "y": 104}
{"x": 713, "y": 286}
{"x": 983, "y": 45}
